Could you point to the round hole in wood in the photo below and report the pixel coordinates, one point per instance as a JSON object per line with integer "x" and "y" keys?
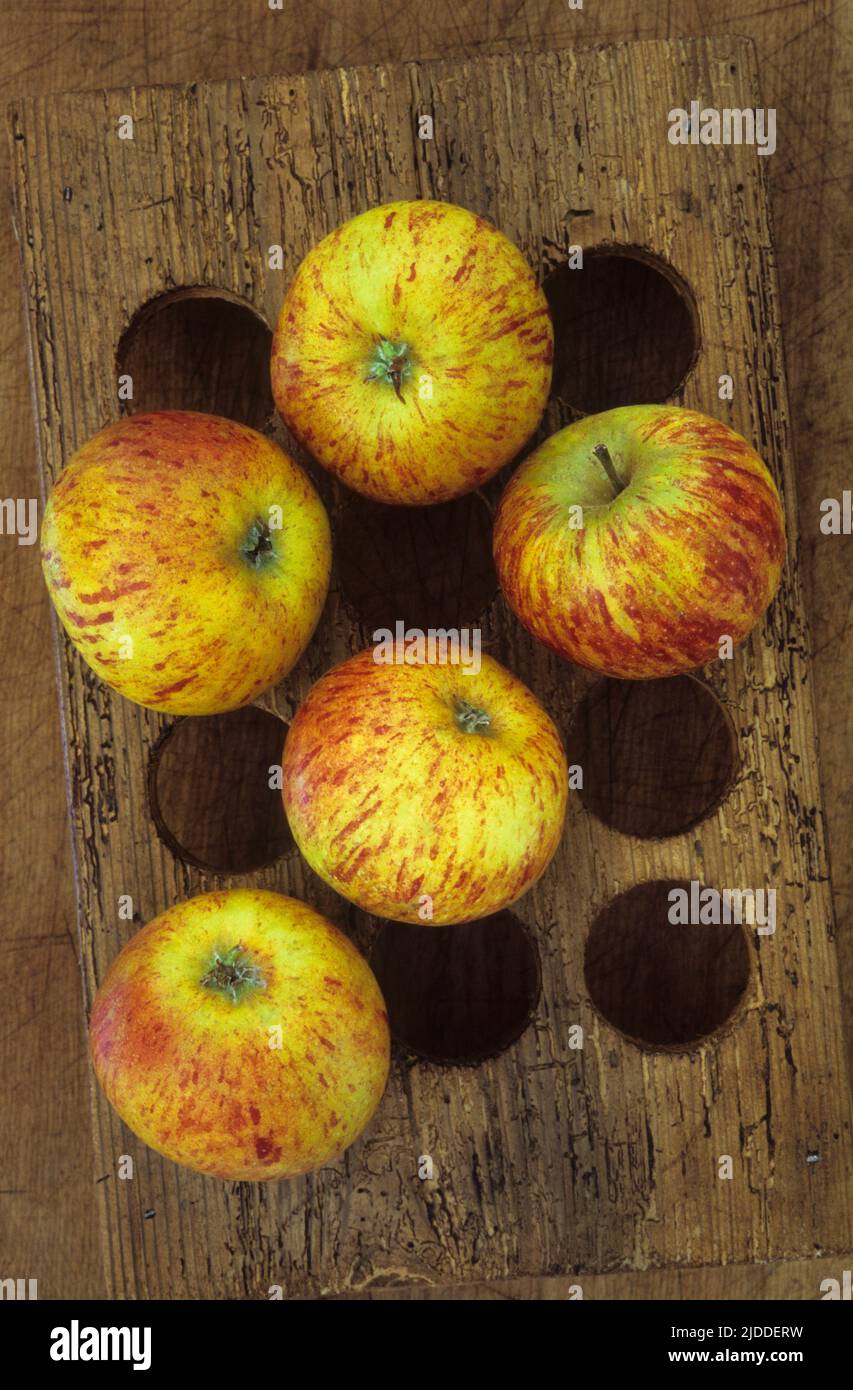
{"x": 429, "y": 567}
{"x": 663, "y": 985}
{"x": 626, "y": 329}
{"x": 457, "y": 994}
{"x": 209, "y": 790}
{"x": 657, "y": 756}
{"x": 199, "y": 348}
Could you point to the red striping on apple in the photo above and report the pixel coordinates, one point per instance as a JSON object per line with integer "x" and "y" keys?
{"x": 242, "y": 1035}
{"x": 413, "y": 782}
{"x": 188, "y": 559}
{"x": 413, "y": 352}
{"x": 682, "y": 541}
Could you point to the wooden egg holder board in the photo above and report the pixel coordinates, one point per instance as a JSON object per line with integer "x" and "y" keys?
{"x": 548, "y": 1160}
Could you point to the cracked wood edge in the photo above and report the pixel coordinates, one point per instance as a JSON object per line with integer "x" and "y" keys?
{"x": 546, "y": 1159}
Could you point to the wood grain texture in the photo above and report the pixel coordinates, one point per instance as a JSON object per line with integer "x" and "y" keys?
{"x": 658, "y": 756}
{"x": 794, "y": 1279}
{"x": 804, "y": 54}
{"x": 546, "y": 1158}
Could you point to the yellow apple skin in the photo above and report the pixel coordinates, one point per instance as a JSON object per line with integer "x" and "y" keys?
{"x": 194, "y": 1073}
{"x": 450, "y": 288}
{"x": 689, "y": 551}
{"x": 145, "y": 537}
{"x": 391, "y": 799}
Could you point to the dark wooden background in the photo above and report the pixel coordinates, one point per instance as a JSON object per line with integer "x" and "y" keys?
{"x": 47, "y": 1209}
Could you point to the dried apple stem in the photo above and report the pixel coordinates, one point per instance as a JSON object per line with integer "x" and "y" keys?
{"x": 602, "y": 453}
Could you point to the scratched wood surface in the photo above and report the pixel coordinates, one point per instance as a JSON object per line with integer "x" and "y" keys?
{"x": 546, "y": 1158}
{"x": 49, "y": 1192}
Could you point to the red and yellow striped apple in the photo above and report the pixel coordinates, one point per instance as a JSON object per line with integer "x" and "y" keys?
{"x": 242, "y": 1035}
{"x": 679, "y": 540}
{"x": 413, "y": 352}
{"x": 422, "y": 793}
{"x": 188, "y": 559}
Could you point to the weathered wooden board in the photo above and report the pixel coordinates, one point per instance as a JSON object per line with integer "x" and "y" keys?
{"x": 547, "y": 1158}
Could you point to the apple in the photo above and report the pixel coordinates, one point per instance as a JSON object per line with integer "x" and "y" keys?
{"x": 413, "y": 352}
{"x": 242, "y": 1035}
{"x": 634, "y": 540}
{"x": 188, "y": 559}
{"x": 422, "y": 792}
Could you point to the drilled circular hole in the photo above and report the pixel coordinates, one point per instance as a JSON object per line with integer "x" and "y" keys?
{"x": 626, "y": 330}
{"x": 198, "y": 349}
{"x": 210, "y": 794}
{"x": 457, "y": 994}
{"x": 425, "y": 566}
{"x": 657, "y": 756}
{"x": 661, "y": 984}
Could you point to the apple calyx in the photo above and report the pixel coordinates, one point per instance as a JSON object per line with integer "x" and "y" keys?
{"x": 231, "y": 973}
{"x": 602, "y": 453}
{"x": 257, "y": 548}
{"x": 470, "y": 719}
{"x": 391, "y": 363}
